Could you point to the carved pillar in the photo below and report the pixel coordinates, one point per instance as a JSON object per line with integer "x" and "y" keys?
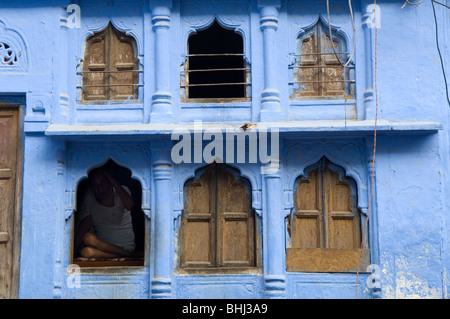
{"x": 161, "y": 100}
{"x": 368, "y": 22}
{"x": 62, "y": 111}
{"x": 274, "y": 274}
{"x": 162, "y": 177}
{"x": 371, "y": 214}
{"x": 58, "y": 270}
{"x": 270, "y": 97}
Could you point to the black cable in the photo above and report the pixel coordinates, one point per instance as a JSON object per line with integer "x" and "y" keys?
{"x": 441, "y": 4}
{"x": 439, "y": 51}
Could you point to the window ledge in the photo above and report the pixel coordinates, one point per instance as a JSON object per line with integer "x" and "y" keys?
{"x": 212, "y": 103}
{"x": 219, "y": 271}
{"x": 322, "y": 101}
{"x": 110, "y": 105}
{"x": 292, "y": 128}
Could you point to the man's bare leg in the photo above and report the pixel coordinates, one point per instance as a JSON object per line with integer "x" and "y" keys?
{"x": 103, "y": 248}
{"x": 90, "y": 252}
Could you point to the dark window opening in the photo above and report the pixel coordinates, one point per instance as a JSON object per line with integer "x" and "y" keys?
{"x": 215, "y": 67}
{"x": 133, "y": 187}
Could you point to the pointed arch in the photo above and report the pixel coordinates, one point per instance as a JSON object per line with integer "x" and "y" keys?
{"x": 216, "y": 67}
{"x": 325, "y": 224}
{"x": 124, "y": 177}
{"x": 218, "y": 224}
{"x": 110, "y": 66}
{"x": 318, "y": 67}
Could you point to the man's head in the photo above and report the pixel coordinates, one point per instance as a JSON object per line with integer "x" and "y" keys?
{"x": 100, "y": 184}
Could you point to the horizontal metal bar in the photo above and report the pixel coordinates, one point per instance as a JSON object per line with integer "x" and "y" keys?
{"x": 138, "y": 71}
{"x": 216, "y": 84}
{"x": 318, "y": 53}
{"x": 215, "y": 54}
{"x": 334, "y": 81}
{"x": 107, "y": 85}
{"x": 212, "y": 70}
{"x": 321, "y": 66}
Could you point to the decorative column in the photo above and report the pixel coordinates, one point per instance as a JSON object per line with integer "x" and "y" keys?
{"x": 162, "y": 177}
{"x": 270, "y": 97}
{"x": 370, "y": 20}
{"x": 274, "y": 269}
{"x": 58, "y": 271}
{"x": 161, "y": 99}
{"x": 371, "y": 214}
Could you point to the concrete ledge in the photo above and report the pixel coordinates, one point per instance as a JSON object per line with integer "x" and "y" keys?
{"x": 300, "y": 128}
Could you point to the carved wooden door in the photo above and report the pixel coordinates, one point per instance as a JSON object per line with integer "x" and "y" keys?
{"x": 218, "y": 225}
{"x": 8, "y": 193}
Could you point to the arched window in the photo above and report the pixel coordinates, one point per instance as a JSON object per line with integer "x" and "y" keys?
{"x": 325, "y": 226}
{"x": 215, "y": 67}
{"x": 110, "y": 67}
{"x": 123, "y": 227}
{"x": 319, "y": 70}
{"x": 218, "y": 222}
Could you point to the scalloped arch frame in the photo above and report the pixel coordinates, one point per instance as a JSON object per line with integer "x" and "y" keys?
{"x": 249, "y": 172}
{"x": 231, "y": 17}
{"x": 352, "y": 166}
{"x": 311, "y": 18}
{"x": 83, "y": 158}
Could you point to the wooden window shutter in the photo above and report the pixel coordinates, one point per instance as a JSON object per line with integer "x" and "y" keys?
{"x": 218, "y": 223}
{"x": 110, "y": 70}
{"x": 325, "y": 227}
{"x": 317, "y": 71}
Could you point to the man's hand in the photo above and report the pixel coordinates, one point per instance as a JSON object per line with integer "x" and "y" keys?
{"x": 110, "y": 178}
{"x": 124, "y": 196}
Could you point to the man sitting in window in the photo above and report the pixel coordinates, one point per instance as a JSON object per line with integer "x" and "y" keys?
{"x": 106, "y": 210}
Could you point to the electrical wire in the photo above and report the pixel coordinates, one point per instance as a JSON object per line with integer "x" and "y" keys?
{"x": 331, "y": 35}
{"x": 374, "y": 146}
{"x": 411, "y": 3}
{"x": 441, "y": 4}
{"x": 439, "y": 51}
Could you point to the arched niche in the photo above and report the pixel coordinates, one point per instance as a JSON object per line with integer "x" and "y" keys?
{"x": 124, "y": 177}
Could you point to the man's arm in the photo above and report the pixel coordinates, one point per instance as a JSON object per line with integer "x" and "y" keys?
{"x": 126, "y": 199}
{"x": 83, "y": 228}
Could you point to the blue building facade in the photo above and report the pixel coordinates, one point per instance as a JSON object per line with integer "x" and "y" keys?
{"x": 383, "y": 130}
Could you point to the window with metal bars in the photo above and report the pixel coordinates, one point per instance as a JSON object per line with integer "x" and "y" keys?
{"x": 320, "y": 68}
{"x": 110, "y": 67}
{"x": 215, "y": 66}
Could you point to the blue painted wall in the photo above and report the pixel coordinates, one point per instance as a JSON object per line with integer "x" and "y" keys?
{"x": 63, "y": 139}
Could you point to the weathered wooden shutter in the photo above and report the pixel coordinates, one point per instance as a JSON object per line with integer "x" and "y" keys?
{"x": 110, "y": 65}
{"x": 95, "y": 67}
{"x": 8, "y": 180}
{"x": 218, "y": 224}
{"x": 123, "y": 80}
{"x": 332, "y": 72}
{"x": 325, "y": 227}
{"x": 318, "y": 72}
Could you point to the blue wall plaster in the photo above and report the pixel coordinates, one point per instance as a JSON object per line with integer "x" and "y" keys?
{"x": 63, "y": 139}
